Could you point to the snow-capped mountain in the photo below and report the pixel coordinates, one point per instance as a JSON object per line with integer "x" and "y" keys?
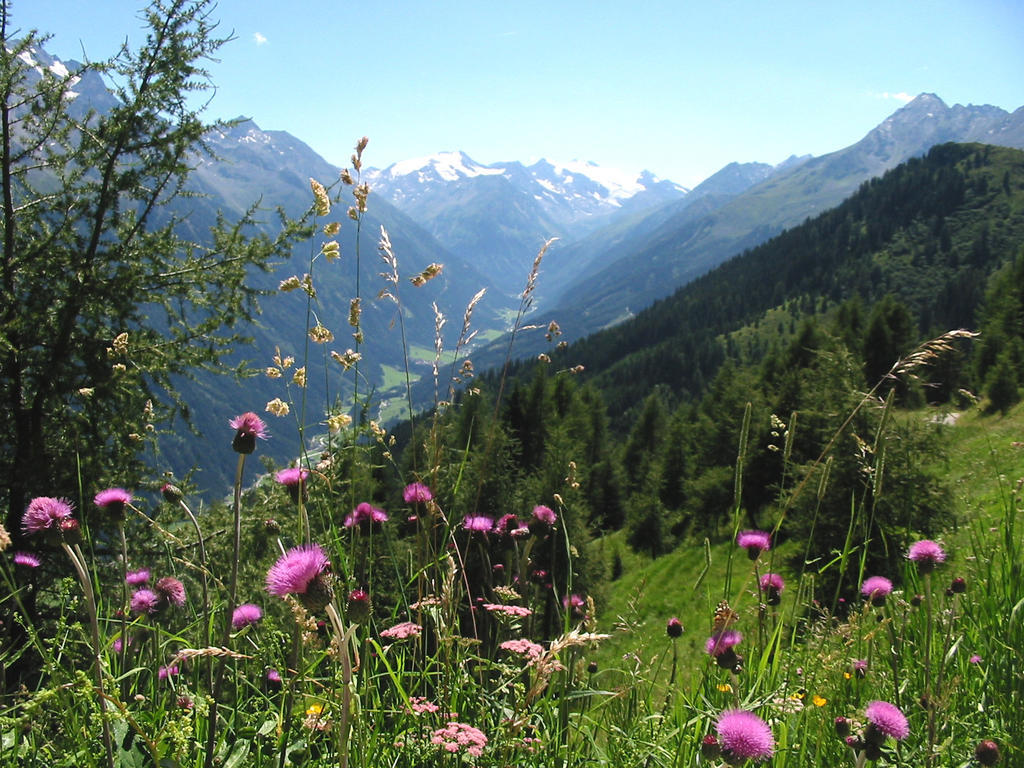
{"x": 498, "y": 215}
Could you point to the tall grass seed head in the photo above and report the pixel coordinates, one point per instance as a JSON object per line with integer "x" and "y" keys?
{"x": 248, "y": 427}
{"x": 744, "y": 736}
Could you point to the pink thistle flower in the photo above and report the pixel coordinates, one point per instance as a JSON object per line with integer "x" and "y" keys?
{"x": 772, "y": 585}
{"x": 357, "y": 607}
{"x": 860, "y": 668}
{"x": 721, "y": 647}
{"x": 246, "y": 614}
{"x": 674, "y": 628}
{"x": 744, "y": 736}
{"x": 720, "y": 642}
{"x": 27, "y": 560}
{"x": 525, "y": 648}
{"x": 887, "y": 720}
{"x": 365, "y": 515}
{"x": 545, "y": 515}
{"x": 417, "y": 493}
{"x": 478, "y": 524}
{"x": 302, "y": 571}
{"x": 113, "y": 501}
{"x": 927, "y": 554}
{"x": 402, "y": 631}
{"x": 45, "y": 513}
{"x": 164, "y": 672}
{"x": 509, "y": 525}
{"x": 247, "y": 428}
{"x": 137, "y": 578}
{"x": 574, "y": 603}
{"x": 975, "y": 659}
{"x": 144, "y": 601}
{"x": 876, "y": 589}
{"x": 273, "y": 679}
{"x": 755, "y": 542}
{"x": 456, "y": 736}
{"x": 294, "y": 480}
{"x": 171, "y": 591}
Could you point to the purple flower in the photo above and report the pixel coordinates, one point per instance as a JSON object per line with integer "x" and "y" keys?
{"x": 927, "y": 554}
{"x": 478, "y": 524}
{"x": 975, "y": 659}
{"x": 772, "y": 585}
{"x": 294, "y": 479}
{"x": 755, "y": 542}
{"x": 417, "y": 493}
{"x": 303, "y": 572}
{"x": 509, "y": 525}
{"x": 247, "y": 428}
{"x": 171, "y": 591}
{"x": 876, "y": 589}
{"x": 744, "y": 736}
{"x": 292, "y": 476}
{"x": 887, "y": 720}
{"x": 273, "y": 678}
{"x": 27, "y": 560}
{"x": 674, "y": 628}
{"x": 722, "y": 642}
{"x": 164, "y": 672}
{"x": 574, "y": 603}
{"x": 113, "y": 501}
{"x": 544, "y": 515}
{"x": 144, "y": 601}
{"x": 246, "y": 614}
{"x": 45, "y": 513}
{"x": 987, "y": 752}
{"x": 860, "y": 668}
{"x": 365, "y": 515}
{"x": 137, "y": 578}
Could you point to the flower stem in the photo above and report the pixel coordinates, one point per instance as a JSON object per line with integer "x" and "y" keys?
{"x": 78, "y": 561}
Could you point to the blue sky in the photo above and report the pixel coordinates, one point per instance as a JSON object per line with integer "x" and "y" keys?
{"x": 680, "y": 88}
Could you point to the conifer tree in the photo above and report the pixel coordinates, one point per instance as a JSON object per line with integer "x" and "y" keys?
{"x": 104, "y": 303}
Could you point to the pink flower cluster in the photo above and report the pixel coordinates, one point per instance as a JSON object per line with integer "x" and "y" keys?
{"x": 516, "y": 611}
{"x": 456, "y": 736}
{"x": 402, "y": 631}
{"x": 525, "y": 648}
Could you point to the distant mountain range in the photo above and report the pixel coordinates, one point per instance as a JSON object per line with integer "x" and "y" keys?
{"x": 625, "y": 241}
{"x": 502, "y": 213}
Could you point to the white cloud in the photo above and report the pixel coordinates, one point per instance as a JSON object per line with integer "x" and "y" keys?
{"x": 901, "y": 96}
{"x": 258, "y": 38}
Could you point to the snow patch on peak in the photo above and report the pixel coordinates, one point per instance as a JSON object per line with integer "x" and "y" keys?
{"x": 449, "y": 166}
{"x": 621, "y": 185}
